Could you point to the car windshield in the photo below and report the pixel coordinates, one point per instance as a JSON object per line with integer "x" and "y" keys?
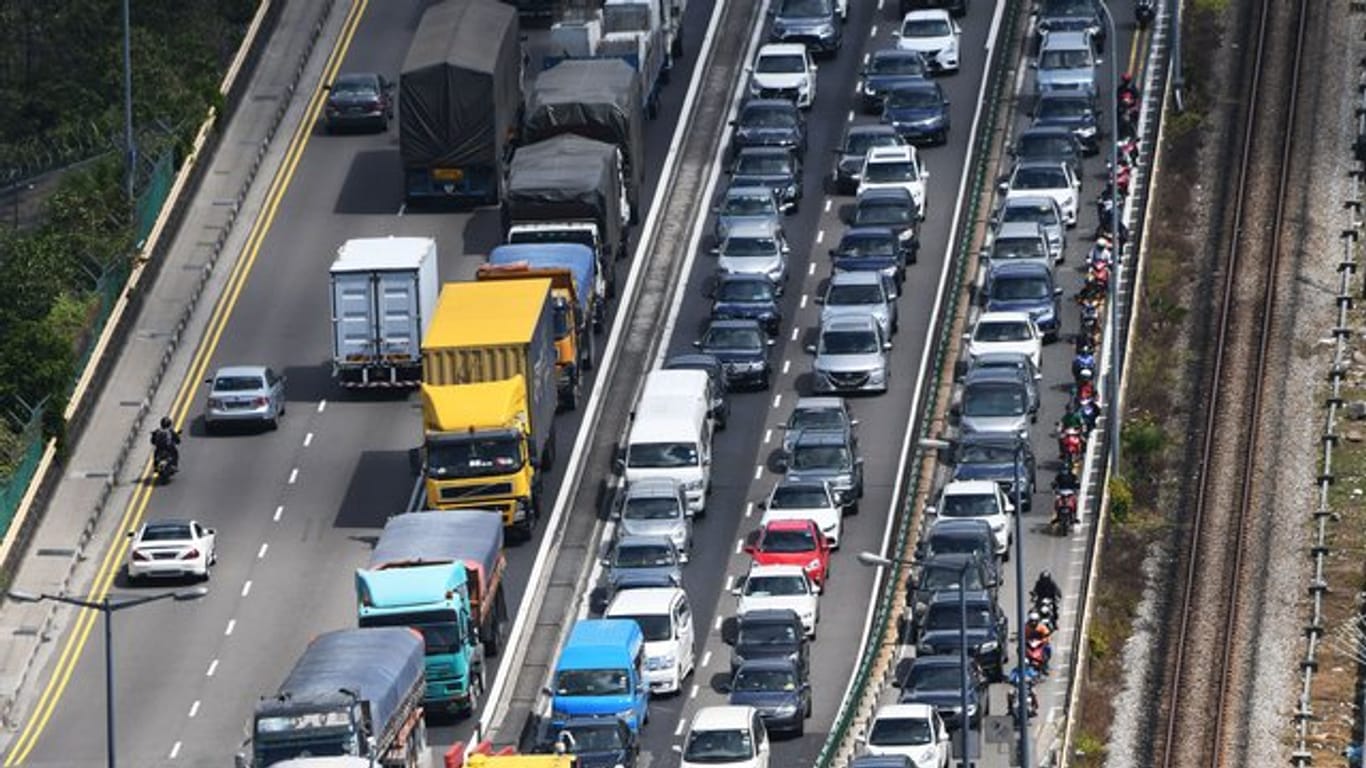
{"x": 969, "y": 505}
{"x": 857, "y": 246}
{"x": 887, "y": 172}
{"x": 982, "y": 453}
{"x": 765, "y": 680}
{"x": 799, "y": 497}
{"x": 1064, "y": 59}
{"x": 1069, "y": 8}
{"x": 718, "y": 747}
{"x": 1020, "y": 213}
{"x": 788, "y": 540}
{"x": 819, "y": 457}
{"x": 900, "y": 732}
{"x": 1052, "y": 109}
{"x": 844, "y": 295}
{"x": 816, "y": 418}
{"x": 596, "y": 738}
{"x": 651, "y": 508}
{"x": 781, "y": 63}
{"x": 959, "y": 545}
{"x": 897, "y": 64}
{"x": 926, "y": 28}
{"x": 656, "y": 626}
{"x": 238, "y": 383}
{"x": 935, "y": 577}
{"x": 1002, "y": 330}
{"x": 882, "y": 213}
{"x": 913, "y": 98}
{"x": 776, "y": 586}
{"x": 1039, "y": 178}
{"x": 762, "y": 164}
{"x": 643, "y": 556}
{"x": 742, "y": 339}
{"x": 661, "y": 455}
{"x": 849, "y": 343}
{"x": 1021, "y": 288}
{"x": 591, "y": 682}
{"x": 859, "y": 143}
{"x": 768, "y": 116}
{"x": 748, "y": 247}
{"x": 478, "y": 457}
{"x": 745, "y": 290}
{"x": 804, "y": 8}
{"x": 749, "y": 205}
{"x": 987, "y": 400}
{"x": 167, "y": 532}
{"x": 948, "y": 615}
{"x": 1003, "y": 248}
{"x": 354, "y": 86}
{"x": 924, "y": 677}
{"x": 766, "y": 634}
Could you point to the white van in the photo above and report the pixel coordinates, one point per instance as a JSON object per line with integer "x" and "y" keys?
{"x": 671, "y": 433}
{"x": 665, "y": 618}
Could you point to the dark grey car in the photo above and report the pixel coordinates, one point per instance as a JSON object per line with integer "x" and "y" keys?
{"x": 849, "y": 156}
{"x": 815, "y": 23}
{"x": 769, "y": 123}
{"x": 643, "y": 561}
{"x": 777, "y": 689}
{"x": 819, "y": 414}
{"x": 827, "y": 456}
{"x": 778, "y": 169}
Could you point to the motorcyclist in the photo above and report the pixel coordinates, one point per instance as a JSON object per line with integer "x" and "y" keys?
{"x": 1046, "y": 589}
{"x": 1127, "y": 92}
{"x": 1084, "y": 362}
{"x": 1030, "y": 677}
{"x": 166, "y": 442}
{"x": 1036, "y": 631}
{"x": 1065, "y": 480}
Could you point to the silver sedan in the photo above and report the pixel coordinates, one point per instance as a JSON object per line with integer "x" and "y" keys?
{"x": 245, "y": 393}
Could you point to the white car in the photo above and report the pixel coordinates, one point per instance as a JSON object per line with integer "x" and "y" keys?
{"x": 982, "y": 500}
{"x": 171, "y": 549}
{"x": 806, "y": 500}
{"x": 780, "y": 587}
{"x": 895, "y": 167}
{"x": 913, "y": 730}
{"x": 934, "y": 34}
{"x": 784, "y": 71}
{"x": 665, "y": 618}
{"x": 728, "y": 736}
{"x": 1052, "y": 179}
{"x": 1006, "y": 332}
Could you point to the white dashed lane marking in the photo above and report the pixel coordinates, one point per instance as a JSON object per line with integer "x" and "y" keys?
{"x": 261, "y": 553}
{"x": 280, "y": 510}
{"x": 308, "y": 439}
{"x": 322, "y": 406}
{"x": 175, "y": 750}
{"x": 194, "y": 708}
{"x": 213, "y": 667}
{"x": 293, "y": 475}
{"x": 246, "y": 589}
{"x": 232, "y": 624}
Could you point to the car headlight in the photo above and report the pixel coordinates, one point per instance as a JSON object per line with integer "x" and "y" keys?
{"x": 794, "y": 657}
{"x": 786, "y": 710}
{"x": 661, "y": 662}
{"x": 693, "y": 485}
{"x": 626, "y": 714}
{"x": 814, "y": 565}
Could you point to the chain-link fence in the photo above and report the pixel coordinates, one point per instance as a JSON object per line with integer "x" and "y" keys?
{"x": 21, "y": 448}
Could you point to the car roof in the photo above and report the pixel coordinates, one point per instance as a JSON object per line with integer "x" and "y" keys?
{"x": 868, "y": 232}
{"x": 958, "y": 525}
{"x": 821, "y": 437}
{"x": 785, "y": 482}
{"x": 919, "y": 85}
{"x": 822, "y": 403}
{"x": 926, "y": 13}
{"x": 969, "y": 488}
{"x": 775, "y": 570}
{"x": 1002, "y": 356}
{"x": 786, "y": 104}
{"x": 723, "y": 718}
{"x": 742, "y": 277}
{"x": 872, "y": 129}
{"x": 726, "y": 324}
{"x": 955, "y": 560}
{"x": 994, "y": 439}
{"x": 882, "y": 761}
{"x": 775, "y": 151}
{"x": 1003, "y": 317}
{"x": 769, "y": 664}
{"x": 1045, "y": 164}
{"x": 859, "y": 322}
{"x": 1019, "y": 269}
{"x": 896, "y": 53}
{"x": 694, "y": 360}
{"x": 240, "y": 370}
{"x": 653, "y": 486}
{"x": 748, "y": 190}
{"x": 643, "y": 602}
{"x": 993, "y": 376}
{"x": 881, "y": 194}
{"x": 856, "y": 278}
{"x": 782, "y": 49}
{"x": 891, "y": 154}
{"x": 904, "y": 711}
{"x": 753, "y": 227}
{"x": 770, "y": 616}
{"x": 1065, "y": 38}
{"x": 371, "y": 78}
{"x": 940, "y": 660}
{"x": 1022, "y": 228}
{"x": 951, "y": 596}
{"x": 790, "y": 524}
{"x": 644, "y": 540}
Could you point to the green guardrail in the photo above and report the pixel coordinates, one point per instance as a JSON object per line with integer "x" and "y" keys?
{"x": 25, "y": 462}
{"x": 997, "y": 96}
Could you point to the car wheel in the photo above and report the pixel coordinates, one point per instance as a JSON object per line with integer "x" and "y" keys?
{"x": 273, "y": 423}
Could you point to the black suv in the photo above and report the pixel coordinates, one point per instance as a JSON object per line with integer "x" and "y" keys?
{"x": 770, "y": 634}
{"x": 1075, "y": 111}
{"x": 742, "y": 347}
{"x": 769, "y": 123}
{"x": 742, "y": 296}
{"x": 986, "y": 456}
{"x": 940, "y": 573}
{"x": 988, "y": 630}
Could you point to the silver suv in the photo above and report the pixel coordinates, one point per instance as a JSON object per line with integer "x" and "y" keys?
{"x": 1040, "y": 210}
{"x": 1067, "y": 62}
{"x": 657, "y": 507}
{"x": 754, "y": 248}
{"x": 851, "y": 356}
{"x": 860, "y": 294}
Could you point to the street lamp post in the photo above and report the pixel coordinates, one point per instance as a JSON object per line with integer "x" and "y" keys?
{"x": 108, "y": 607}
{"x": 1117, "y": 347}
{"x": 130, "y": 147}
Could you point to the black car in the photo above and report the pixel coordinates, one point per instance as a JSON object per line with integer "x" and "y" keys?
{"x": 1075, "y": 111}
{"x": 938, "y": 681}
{"x": 1025, "y": 287}
{"x": 870, "y": 249}
{"x": 1071, "y": 16}
{"x": 963, "y": 536}
{"x": 857, "y": 142}
{"x": 716, "y": 372}
{"x": 887, "y": 69}
{"x": 940, "y": 573}
{"x": 746, "y": 297}
{"x": 992, "y": 457}
{"x": 778, "y": 169}
{"x": 770, "y": 634}
{"x": 956, "y": 7}
{"x": 815, "y": 23}
{"x": 742, "y": 347}
{"x": 769, "y": 123}
{"x": 775, "y": 687}
{"x": 939, "y": 631}
{"x": 595, "y": 742}
{"x": 1048, "y": 144}
{"x": 918, "y": 111}
{"x": 358, "y": 100}
{"x": 894, "y": 208}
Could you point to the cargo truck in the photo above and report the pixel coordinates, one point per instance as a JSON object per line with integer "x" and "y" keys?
{"x": 489, "y": 398}
{"x": 576, "y": 297}
{"x": 568, "y": 189}
{"x": 442, "y": 574}
{"x": 631, "y": 30}
{"x": 460, "y": 102}
{"x": 384, "y": 290}
{"x": 483, "y": 755}
{"x": 596, "y": 99}
{"x": 353, "y": 692}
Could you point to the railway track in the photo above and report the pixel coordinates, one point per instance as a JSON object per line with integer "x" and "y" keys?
{"x": 1204, "y": 721}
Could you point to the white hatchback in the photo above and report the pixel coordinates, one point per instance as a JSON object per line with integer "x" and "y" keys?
{"x": 895, "y": 167}
{"x": 934, "y": 34}
{"x": 1006, "y": 332}
{"x": 780, "y": 587}
{"x": 981, "y": 500}
{"x": 913, "y": 730}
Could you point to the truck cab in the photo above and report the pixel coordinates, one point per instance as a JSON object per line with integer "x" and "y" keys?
{"x": 601, "y": 672}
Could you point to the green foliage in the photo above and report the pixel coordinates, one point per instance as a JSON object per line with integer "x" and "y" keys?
{"x": 1090, "y": 745}
{"x": 1121, "y": 498}
{"x": 1097, "y": 643}
{"x": 1143, "y": 439}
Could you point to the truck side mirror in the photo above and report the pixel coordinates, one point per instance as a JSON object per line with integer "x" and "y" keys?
{"x": 415, "y": 460}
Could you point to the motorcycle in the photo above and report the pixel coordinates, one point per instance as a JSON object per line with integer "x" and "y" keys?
{"x": 1048, "y": 612}
{"x": 1030, "y": 677}
{"x": 164, "y": 466}
{"x": 1036, "y": 655}
{"x": 1064, "y": 514}
{"x": 1144, "y": 12}
{"x": 1071, "y": 446}
{"x": 1083, "y": 368}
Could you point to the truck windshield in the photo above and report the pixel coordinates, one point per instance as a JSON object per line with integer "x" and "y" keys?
{"x": 478, "y": 457}
{"x": 662, "y": 455}
{"x": 584, "y": 236}
{"x": 439, "y": 629}
{"x": 270, "y": 754}
{"x": 591, "y": 682}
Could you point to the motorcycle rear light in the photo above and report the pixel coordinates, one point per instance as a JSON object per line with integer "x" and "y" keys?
{"x": 191, "y": 554}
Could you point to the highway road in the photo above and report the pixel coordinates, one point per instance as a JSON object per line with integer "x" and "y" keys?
{"x": 297, "y": 510}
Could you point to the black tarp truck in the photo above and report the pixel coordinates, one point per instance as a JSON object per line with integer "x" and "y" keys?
{"x": 568, "y": 189}
{"x": 460, "y": 102}
{"x": 596, "y": 99}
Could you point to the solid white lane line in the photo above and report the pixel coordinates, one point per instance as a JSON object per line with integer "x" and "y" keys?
{"x": 280, "y": 510}
{"x": 175, "y": 750}
{"x": 768, "y": 434}
{"x": 261, "y": 553}
{"x": 706, "y": 659}
{"x": 322, "y": 405}
{"x": 293, "y": 475}
{"x": 213, "y": 667}
{"x": 308, "y": 439}
{"x": 787, "y": 366}
{"x": 246, "y": 588}
{"x": 232, "y": 624}
{"x": 194, "y": 708}
{"x": 828, "y": 203}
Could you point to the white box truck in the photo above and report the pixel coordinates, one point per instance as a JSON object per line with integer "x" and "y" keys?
{"x": 384, "y": 291}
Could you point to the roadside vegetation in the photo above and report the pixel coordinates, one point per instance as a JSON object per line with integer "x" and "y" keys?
{"x": 61, "y": 114}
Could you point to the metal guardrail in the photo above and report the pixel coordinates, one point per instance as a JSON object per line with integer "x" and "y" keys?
{"x": 997, "y": 96}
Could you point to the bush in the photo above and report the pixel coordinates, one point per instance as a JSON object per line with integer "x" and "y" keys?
{"x": 1121, "y": 498}
{"x": 1143, "y": 439}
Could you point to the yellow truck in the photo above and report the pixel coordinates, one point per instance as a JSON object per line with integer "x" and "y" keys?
{"x": 488, "y": 399}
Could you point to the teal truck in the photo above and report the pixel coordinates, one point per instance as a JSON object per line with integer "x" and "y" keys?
{"x": 441, "y": 573}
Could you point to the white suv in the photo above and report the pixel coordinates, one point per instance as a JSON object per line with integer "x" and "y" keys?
{"x": 895, "y": 167}
{"x": 665, "y": 618}
{"x": 780, "y": 587}
{"x": 913, "y": 730}
{"x": 980, "y": 499}
{"x": 725, "y": 737}
{"x": 934, "y": 34}
{"x": 784, "y": 71}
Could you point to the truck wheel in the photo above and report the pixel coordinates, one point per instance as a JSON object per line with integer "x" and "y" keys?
{"x": 476, "y": 692}
{"x": 589, "y": 351}
{"x": 651, "y": 107}
{"x": 678, "y": 44}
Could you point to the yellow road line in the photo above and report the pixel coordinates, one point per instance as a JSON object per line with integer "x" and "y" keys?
{"x": 222, "y": 312}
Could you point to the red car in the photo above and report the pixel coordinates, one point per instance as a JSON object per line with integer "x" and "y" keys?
{"x": 792, "y": 542}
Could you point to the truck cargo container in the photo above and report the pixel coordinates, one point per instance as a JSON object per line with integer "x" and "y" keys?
{"x": 384, "y": 291}
{"x": 568, "y": 189}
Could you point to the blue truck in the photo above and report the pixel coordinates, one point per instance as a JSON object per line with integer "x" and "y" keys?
{"x": 441, "y": 573}
{"x": 599, "y": 674}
